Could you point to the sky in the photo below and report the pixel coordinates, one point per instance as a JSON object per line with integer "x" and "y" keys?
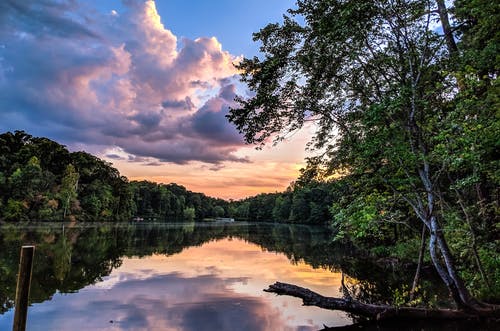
{"x": 144, "y": 85}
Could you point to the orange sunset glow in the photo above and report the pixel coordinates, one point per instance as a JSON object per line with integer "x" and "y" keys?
{"x": 271, "y": 169}
{"x": 140, "y": 89}
{"x": 235, "y": 260}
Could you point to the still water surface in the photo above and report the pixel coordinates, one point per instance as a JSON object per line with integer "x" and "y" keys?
{"x": 183, "y": 276}
{"x": 175, "y": 277}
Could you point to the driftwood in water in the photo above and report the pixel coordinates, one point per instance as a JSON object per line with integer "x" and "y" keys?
{"x": 376, "y": 312}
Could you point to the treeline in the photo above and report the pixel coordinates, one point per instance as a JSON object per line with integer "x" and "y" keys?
{"x": 378, "y": 222}
{"x": 173, "y": 202}
{"x": 40, "y": 180}
{"x": 308, "y": 203}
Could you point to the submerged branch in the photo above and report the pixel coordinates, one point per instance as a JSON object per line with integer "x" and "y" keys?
{"x": 376, "y": 312}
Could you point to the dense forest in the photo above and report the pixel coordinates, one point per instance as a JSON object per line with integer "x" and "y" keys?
{"x": 405, "y": 99}
{"x": 307, "y": 204}
{"x": 40, "y": 180}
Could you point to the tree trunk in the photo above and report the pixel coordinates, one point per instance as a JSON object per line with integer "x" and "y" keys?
{"x": 445, "y": 23}
{"x": 377, "y": 312}
{"x": 441, "y": 270}
{"x": 465, "y": 299}
{"x": 421, "y": 252}
{"x": 438, "y": 248}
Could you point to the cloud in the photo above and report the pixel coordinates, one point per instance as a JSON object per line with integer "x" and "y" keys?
{"x": 109, "y": 80}
{"x": 114, "y": 156}
{"x": 216, "y": 167}
{"x": 147, "y": 120}
{"x": 36, "y": 18}
{"x": 209, "y": 122}
{"x": 182, "y": 104}
{"x": 183, "y": 151}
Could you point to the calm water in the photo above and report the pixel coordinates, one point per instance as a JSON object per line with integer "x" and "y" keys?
{"x": 183, "y": 277}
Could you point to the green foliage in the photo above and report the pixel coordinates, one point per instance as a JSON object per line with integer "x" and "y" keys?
{"x": 93, "y": 205}
{"x": 304, "y": 204}
{"x": 401, "y": 297}
{"x": 282, "y": 207}
{"x": 189, "y": 214}
{"x": 69, "y": 184}
{"x": 166, "y": 202}
{"x": 490, "y": 257}
{"x": 15, "y": 211}
{"x": 409, "y": 116}
{"x": 219, "y": 211}
{"x": 300, "y": 209}
{"x": 41, "y": 180}
{"x": 359, "y": 219}
{"x": 240, "y": 209}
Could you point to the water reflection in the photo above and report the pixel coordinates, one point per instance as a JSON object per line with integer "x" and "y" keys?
{"x": 182, "y": 277}
{"x": 189, "y": 292}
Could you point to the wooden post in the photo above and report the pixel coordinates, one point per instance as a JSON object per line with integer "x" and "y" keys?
{"x": 23, "y": 287}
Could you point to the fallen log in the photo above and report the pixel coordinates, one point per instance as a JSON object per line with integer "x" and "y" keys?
{"x": 415, "y": 325}
{"x": 377, "y": 312}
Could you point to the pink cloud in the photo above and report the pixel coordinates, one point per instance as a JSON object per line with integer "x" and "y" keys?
{"x": 116, "y": 80}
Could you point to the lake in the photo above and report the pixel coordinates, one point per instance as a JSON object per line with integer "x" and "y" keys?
{"x": 186, "y": 276}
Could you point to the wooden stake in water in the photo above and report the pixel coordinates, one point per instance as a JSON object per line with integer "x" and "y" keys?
{"x": 23, "y": 287}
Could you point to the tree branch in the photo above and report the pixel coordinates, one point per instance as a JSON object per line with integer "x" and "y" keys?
{"x": 376, "y": 312}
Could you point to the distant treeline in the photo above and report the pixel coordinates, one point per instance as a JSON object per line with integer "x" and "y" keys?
{"x": 40, "y": 180}
{"x": 306, "y": 204}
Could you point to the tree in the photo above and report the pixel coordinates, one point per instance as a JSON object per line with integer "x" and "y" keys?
{"x": 379, "y": 83}
{"x": 189, "y": 214}
{"x": 15, "y": 211}
{"x": 300, "y": 209}
{"x": 282, "y": 206}
{"x": 219, "y": 211}
{"x": 476, "y": 178}
{"x": 45, "y": 181}
{"x": 243, "y": 210}
{"x": 69, "y": 186}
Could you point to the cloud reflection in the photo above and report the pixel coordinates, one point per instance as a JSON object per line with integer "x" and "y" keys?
{"x": 164, "y": 302}
{"x": 213, "y": 287}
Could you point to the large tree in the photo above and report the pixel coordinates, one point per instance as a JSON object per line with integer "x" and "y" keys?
{"x": 380, "y": 80}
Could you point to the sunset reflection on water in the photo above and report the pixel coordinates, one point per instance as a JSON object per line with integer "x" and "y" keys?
{"x": 216, "y": 286}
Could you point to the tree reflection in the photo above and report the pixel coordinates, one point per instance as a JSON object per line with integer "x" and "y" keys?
{"x": 68, "y": 259}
